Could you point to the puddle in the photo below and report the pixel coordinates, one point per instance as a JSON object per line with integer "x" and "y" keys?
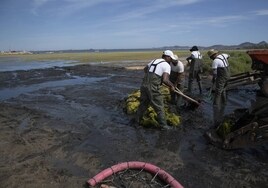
{"x": 239, "y": 98}
{"x": 16, "y": 64}
{"x": 8, "y": 93}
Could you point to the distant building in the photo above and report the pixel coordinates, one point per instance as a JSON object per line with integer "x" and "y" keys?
{"x": 13, "y": 52}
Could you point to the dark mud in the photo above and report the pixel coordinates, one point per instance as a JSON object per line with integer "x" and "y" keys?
{"x": 61, "y": 126}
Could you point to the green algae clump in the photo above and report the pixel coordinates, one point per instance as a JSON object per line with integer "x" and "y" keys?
{"x": 133, "y": 102}
{"x": 173, "y": 119}
{"x": 225, "y": 127}
{"x": 149, "y": 119}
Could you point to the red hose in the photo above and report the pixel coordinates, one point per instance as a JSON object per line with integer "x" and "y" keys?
{"x": 135, "y": 165}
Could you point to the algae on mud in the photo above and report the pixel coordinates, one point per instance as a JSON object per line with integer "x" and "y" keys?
{"x": 149, "y": 119}
{"x": 225, "y": 127}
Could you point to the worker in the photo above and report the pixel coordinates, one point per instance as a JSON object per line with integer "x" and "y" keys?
{"x": 195, "y": 63}
{"x": 177, "y": 78}
{"x": 221, "y": 73}
{"x": 156, "y": 72}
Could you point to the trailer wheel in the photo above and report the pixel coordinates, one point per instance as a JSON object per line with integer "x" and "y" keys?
{"x": 264, "y": 87}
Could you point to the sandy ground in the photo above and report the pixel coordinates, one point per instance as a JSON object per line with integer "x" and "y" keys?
{"x": 61, "y": 126}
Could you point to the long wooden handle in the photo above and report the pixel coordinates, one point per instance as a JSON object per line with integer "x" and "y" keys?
{"x": 179, "y": 92}
{"x": 185, "y": 96}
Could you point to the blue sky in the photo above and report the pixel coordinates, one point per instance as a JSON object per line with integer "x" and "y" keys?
{"x": 115, "y": 24}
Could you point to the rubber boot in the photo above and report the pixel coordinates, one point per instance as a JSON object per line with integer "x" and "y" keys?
{"x": 179, "y": 101}
{"x": 200, "y": 87}
{"x": 173, "y": 97}
{"x": 218, "y": 115}
{"x": 217, "y": 100}
{"x": 162, "y": 121}
{"x": 224, "y": 97}
{"x": 190, "y": 83}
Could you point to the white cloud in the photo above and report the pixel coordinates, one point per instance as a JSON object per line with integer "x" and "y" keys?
{"x": 67, "y": 7}
{"x": 64, "y": 8}
{"x": 37, "y": 4}
{"x": 156, "y": 6}
{"x": 224, "y": 19}
{"x": 186, "y": 2}
{"x": 263, "y": 12}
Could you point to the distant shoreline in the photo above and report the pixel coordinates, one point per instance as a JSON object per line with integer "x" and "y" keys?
{"x": 15, "y": 52}
{"x": 242, "y": 46}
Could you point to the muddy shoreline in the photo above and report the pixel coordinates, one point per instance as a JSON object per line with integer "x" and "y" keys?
{"x": 63, "y": 125}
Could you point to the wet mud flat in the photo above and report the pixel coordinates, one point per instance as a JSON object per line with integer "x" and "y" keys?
{"x": 61, "y": 126}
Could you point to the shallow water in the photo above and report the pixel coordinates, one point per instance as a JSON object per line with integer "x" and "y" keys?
{"x": 15, "y": 64}
{"x": 8, "y": 93}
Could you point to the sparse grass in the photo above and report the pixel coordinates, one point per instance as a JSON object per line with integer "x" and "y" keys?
{"x": 239, "y": 61}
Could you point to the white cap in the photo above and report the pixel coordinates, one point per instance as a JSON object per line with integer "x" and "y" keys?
{"x": 170, "y": 54}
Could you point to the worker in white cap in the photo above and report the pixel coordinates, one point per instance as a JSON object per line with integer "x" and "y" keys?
{"x": 156, "y": 73}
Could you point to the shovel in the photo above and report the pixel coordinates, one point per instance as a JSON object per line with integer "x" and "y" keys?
{"x": 179, "y": 92}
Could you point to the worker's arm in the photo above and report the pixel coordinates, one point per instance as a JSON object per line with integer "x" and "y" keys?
{"x": 189, "y": 58}
{"x": 180, "y": 78}
{"x": 214, "y": 74}
{"x": 145, "y": 69}
{"x": 167, "y": 81}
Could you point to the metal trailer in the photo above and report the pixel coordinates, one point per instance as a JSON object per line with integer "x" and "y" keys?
{"x": 259, "y": 73}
